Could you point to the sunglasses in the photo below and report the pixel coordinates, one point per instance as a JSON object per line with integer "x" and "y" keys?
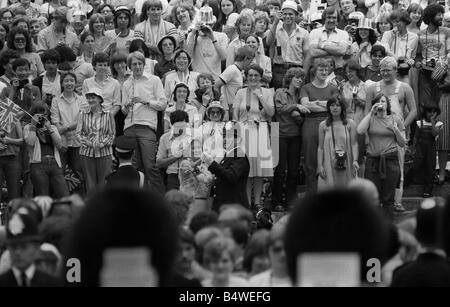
{"x": 215, "y": 112}
{"x": 19, "y": 40}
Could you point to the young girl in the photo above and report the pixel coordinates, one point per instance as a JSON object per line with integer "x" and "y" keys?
{"x": 228, "y": 17}
{"x": 428, "y": 128}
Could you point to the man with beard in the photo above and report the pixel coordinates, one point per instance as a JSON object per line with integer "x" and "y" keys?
{"x": 328, "y": 40}
{"x": 434, "y": 45}
{"x": 290, "y": 42}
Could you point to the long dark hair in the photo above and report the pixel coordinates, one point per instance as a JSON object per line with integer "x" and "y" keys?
{"x": 222, "y": 19}
{"x": 372, "y": 37}
{"x": 343, "y": 115}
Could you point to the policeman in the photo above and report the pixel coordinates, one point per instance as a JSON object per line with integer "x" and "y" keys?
{"x": 126, "y": 174}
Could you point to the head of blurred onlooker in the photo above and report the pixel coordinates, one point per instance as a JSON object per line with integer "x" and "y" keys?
{"x": 49, "y": 259}
{"x": 202, "y": 219}
{"x": 124, "y": 227}
{"x": 180, "y": 203}
{"x": 335, "y": 221}
{"x": 256, "y": 259}
{"x": 368, "y": 188}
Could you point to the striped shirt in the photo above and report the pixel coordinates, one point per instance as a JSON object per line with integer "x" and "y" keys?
{"x": 96, "y": 129}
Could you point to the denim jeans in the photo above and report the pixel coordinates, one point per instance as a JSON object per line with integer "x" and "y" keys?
{"x": 48, "y": 178}
{"x": 385, "y": 186}
{"x": 144, "y": 158}
{"x": 310, "y": 144}
{"x": 289, "y": 156}
{"x": 10, "y": 170}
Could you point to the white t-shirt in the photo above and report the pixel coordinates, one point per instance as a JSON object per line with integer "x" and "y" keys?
{"x": 232, "y": 77}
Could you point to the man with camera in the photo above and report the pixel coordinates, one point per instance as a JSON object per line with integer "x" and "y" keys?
{"x": 21, "y": 91}
{"x": 207, "y": 47}
{"x": 434, "y": 45}
{"x": 290, "y": 41}
{"x": 401, "y": 43}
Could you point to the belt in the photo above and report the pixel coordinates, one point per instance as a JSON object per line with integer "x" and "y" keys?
{"x": 287, "y": 65}
{"x": 48, "y": 157}
{"x": 382, "y": 162}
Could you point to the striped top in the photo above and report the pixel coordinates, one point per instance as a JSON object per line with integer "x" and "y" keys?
{"x": 96, "y": 133}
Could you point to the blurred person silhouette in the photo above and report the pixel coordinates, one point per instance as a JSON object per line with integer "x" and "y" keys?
{"x": 431, "y": 268}
{"x": 277, "y": 275}
{"x": 335, "y": 221}
{"x": 368, "y": 188}
{"x": 256, "y": 258}
{"x": 124, "y": 237}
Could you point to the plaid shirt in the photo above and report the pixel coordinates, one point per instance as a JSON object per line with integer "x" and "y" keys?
{"x": 94, "y": 130}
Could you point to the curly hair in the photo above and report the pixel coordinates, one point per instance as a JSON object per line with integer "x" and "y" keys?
{"x": 180, "y": 85}
{"x": 12, "y": 34}
{"x": 353, "y": 65}
{"x": 174, "y": 12}
{"x": 243, "y": 18}
{"x": 431, "y": 11}
{"x": 291, "y": 73}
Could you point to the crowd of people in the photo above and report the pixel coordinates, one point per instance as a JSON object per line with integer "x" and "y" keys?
{"x": 224, "y": 107}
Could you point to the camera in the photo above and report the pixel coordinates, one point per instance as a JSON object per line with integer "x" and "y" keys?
{"x": 431, "y": 63}
{"x": 403, "y": 67}
{"x": 341, "y": 159}
{"x": 380, "y": 108}
{"x": 19, "y": 83}
{"x": 48, "y": 99}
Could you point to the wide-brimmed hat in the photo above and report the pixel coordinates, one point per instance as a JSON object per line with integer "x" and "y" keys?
{"x": 215, "y": 104}
{"x": 96, "y": 92}
{"x": 174, "y": 41}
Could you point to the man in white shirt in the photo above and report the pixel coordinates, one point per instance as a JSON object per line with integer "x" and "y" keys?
{"x": 328, "y": 40}
{"x": 142, "y": 97}
{"x": 207, "y": 49}
{"x": 291, "y": 42}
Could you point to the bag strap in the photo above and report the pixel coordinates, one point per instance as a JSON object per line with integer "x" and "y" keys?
{"x": 141, "y": 180}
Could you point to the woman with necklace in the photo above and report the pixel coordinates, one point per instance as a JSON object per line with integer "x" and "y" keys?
{"x": 122, "y": 35}
{"x": 182, "y": 64}
{"x": 97, "y": 29}
{"x": 313, "y": 98}
{"x": 253, "y": 106}
{"x": 337, "y": 156}
{"x": 152, "y": 27}
{"x": 290, "y": 126}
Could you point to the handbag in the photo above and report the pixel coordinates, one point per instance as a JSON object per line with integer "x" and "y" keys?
{"x": 340, "y": 156}
{"x": 435, "y": 69}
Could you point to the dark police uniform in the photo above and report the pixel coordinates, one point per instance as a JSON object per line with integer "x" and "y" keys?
{"x": 126, "y": 175}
